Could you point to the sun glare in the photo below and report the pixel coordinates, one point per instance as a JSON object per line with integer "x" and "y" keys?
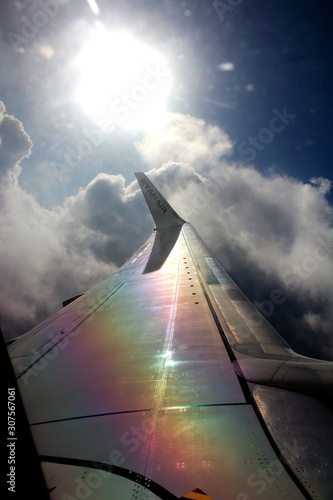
{"x": 123, "y": 80}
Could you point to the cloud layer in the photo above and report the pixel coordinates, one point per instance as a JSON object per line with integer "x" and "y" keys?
{"x": 273, "y": 234}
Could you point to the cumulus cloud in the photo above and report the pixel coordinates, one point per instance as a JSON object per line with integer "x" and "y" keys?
{"x": 187, "y": 139}
{"x": 38, "y": 264}
{"x": 14, "y": 141}
{"x": 269, "y": 232}
{"x": 111, "y": 214}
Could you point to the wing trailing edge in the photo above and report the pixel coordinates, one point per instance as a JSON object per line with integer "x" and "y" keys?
{"x": 162, "y": 212}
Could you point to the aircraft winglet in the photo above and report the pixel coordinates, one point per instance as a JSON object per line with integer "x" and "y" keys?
{"x": 163, "y": 214}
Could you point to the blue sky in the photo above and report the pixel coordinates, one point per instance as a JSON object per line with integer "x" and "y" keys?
{"x": 244, "y": 150}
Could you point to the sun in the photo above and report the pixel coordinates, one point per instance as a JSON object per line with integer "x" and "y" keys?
{"x": 123, "y": 80}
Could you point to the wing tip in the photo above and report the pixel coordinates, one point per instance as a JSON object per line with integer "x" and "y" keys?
{"x": 162, "y": 212}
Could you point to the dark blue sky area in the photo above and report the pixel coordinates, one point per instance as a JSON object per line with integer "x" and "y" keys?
{"x": 282, "y": 58}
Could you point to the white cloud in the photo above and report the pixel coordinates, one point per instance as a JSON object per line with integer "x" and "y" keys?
{"x": 15, "y": 144}
{"x": 39, "y": 263}
{"x": 323, "y": 185}
{"x": 184, "y": 138}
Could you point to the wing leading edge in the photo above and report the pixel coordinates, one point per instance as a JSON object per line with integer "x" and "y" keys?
{"x": 139, "y": 387}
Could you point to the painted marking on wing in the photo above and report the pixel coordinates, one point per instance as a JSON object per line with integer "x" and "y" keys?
{"x": 196, "y": 494}
{"x": 154, "y": 196}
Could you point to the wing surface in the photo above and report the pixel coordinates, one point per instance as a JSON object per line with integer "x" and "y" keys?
{"x": 139, "y": 387}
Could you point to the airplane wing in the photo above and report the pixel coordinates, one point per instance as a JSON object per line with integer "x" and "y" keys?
{"x": 164, "y": 382}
